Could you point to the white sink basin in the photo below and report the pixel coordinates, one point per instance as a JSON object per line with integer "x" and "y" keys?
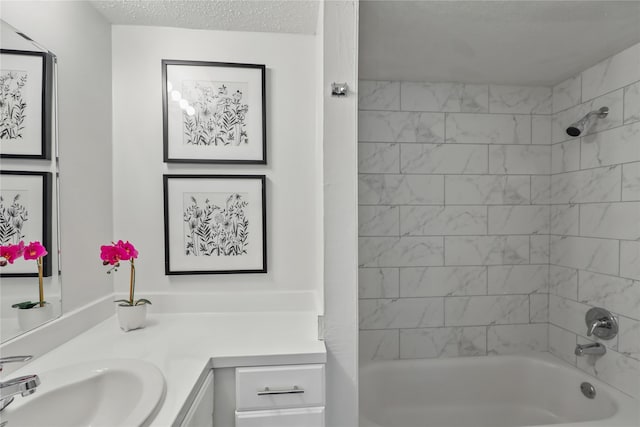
{"x": 109, "y": 393}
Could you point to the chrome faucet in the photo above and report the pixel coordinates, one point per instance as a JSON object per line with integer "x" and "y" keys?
{"x": 24, "y": 386}
{"x": 595, "y": 348}
{"x": 601, "y": 323}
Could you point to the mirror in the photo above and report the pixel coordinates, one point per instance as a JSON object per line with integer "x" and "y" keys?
{"x": 29, "y": 184}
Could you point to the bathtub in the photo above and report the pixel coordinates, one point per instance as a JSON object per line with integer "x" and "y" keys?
{"x": 493, "y": 391}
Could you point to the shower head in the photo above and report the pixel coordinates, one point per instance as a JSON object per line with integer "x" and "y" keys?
{"x": 584, "y": 123}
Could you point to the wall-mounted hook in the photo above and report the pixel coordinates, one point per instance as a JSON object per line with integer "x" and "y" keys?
{"x": 339, "y": 89}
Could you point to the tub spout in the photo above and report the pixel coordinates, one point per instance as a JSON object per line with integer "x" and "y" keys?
{"x": 594, "y": 348}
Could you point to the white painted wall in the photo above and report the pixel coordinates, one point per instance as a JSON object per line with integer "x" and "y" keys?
{"x": 340, "y": 52}
{"x": 292, "y": 177}
{"x": 81, "y": 39}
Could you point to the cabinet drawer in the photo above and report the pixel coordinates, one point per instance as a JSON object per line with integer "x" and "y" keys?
{"x": 302, "y": 417}
{"x": 273, "y": 387}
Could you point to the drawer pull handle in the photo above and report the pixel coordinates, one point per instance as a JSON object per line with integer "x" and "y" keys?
{"x": 269, "y": 391}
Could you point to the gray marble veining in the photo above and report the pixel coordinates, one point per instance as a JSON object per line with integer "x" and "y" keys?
{"x": 631, "y": 181}
{"x": 562, "y": 344}
{"x": 486, "y": 310}
{"x": 614, "y": 72}
{"x": 442, "y": 281}
{"x": 400, "y": 189}
{"x": 443, "y": 220}
{"x": 520, "y": 159}
{"x": 632, "y": 103}
{"x": 567, "y": 94}
{"x": 487, "y": 190}
{"x": 611, "y": 220}
{"x": 379, "y": 345}
{"x": 401, "y": 313}
{"x": 630, "y": 260}
{"x": 386, "y": 126}
{"x": 539, "y": 308}
{"x": 585, "y": 186}
{"x": 516, "y": 339}
{"x": 378, "y": 283}
{"x": 565, "y": 219}
{"x": 518, "y": 219}
{"x": 629, "y": 344}
{"x": 540, "y": 189}
{"x": 378, "y": 158}
{"x": 518, "y": 279}
{"x": 444, "y": 97}
{"x": 565, "y": 156}
{"x": 378, "y": 221}
{"x": 488, "y": 128}
{"x": 598, "y": 255}
{"x": 611, "y": 147}
{"x": 486, "y": 250}
{"x": 563, "y": 282}
{"x": 519, "y": 99}
{"x": 378, "y": 95}
{"x": 608, "y": 291}
{"x": 539, "y": 249}
{"x": 444, "y": 158}
{"x": 541, "y": 130}
{"x": 400, "y": 252}
{"x": 443, "y": 342}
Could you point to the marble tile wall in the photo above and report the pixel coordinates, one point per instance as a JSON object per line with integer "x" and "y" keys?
{"x": 455, "y": 217}
{"x": 485, "y": 229}
{"x": 595, "y": 217}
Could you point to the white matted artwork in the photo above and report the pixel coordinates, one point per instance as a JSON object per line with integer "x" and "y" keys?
{"x": 215, "y": 224}
{"x": 213, "y": 112}
{"x": 25, "y": 104}
{"x": 25, "y": 215}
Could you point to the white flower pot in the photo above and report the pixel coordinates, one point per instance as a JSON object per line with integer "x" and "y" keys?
{"x": 132, "y": 316}
{"x": 29, "y": 318}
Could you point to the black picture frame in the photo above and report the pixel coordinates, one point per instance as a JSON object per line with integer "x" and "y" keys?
{"x": 46, "y": 107}
{"x": 44, "y": 234}
{"x": 218, "y": 73}
{"x": 181, "y": 224}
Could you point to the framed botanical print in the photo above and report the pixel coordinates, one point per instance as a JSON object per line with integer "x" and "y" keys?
{"x": 213, "y": 112}
{"x": 215, "y": 224}
{"x": 26, "y": 80}
{"x": 25, "y": 215}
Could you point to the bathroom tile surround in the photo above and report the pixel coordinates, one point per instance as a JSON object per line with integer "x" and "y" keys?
{"x": 484, "y": 229}
{"x": 595, "y": 217}
{"x": 454, "y": 219}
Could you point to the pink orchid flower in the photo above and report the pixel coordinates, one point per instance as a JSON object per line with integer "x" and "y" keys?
{"x": 110, "y": 254}
{"x": 10, "y": 253}
{"x": 34, "y": 250}
{"x": 128, "y": 250}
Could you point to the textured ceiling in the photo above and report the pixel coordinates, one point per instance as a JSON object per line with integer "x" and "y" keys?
{"x": 507, "y": 42}
{"x": 276, "y": 16}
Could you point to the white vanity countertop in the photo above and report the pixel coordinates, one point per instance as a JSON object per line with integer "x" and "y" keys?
{"x": 183, "y": 345}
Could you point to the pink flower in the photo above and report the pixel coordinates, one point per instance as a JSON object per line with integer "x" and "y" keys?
{"x": 127, "y": 249}
{"x": 110, "y": 254}
{"x": 116, "y": 252}
{"x": 10, "y": 253}
{"x": 34, "y": 251}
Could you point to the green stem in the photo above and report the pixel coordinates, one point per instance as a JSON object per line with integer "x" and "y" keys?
{"x": 41, "y": 289}
{"x": 132, "y": 284}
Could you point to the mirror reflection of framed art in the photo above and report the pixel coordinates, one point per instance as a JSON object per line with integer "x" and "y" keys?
{"x": 25, "y": 215}
{"x": 26, "y": 87}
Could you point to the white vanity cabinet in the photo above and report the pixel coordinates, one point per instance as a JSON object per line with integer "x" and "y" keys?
{"x": 200, "y": 414}
{"x": 280, "y": 396}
